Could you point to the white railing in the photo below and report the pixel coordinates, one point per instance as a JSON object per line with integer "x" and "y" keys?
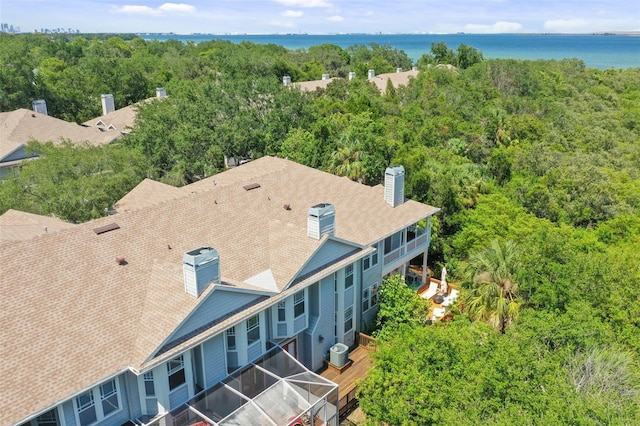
{"x": 417, "y": 244}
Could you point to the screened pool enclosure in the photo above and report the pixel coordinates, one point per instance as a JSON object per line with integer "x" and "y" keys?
{"x": 275, "y": 389}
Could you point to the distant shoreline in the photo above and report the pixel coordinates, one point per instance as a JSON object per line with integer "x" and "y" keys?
{"x": 602, "y": 33}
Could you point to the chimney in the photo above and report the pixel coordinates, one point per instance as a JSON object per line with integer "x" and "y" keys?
{"x": 326, "y": 76}
{"x": 160, "y": 92}
{"x": 108, "y": 104}
{"x": 352, "y": 75}
{"x": 40, "y": 106}
{"x": 286, "y": 80}
{"x": 200, "y": 268}
{"x": 398, "y": 70}
{"x": 394, "y": 185}
{"x": 321, "y": 220}
{"x": 371, "y": 74}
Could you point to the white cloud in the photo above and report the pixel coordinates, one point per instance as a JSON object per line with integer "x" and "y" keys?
{"x": 292, "y": 13}
{"x": 177, "y": 7}
{"x": 497, "y": 28}
{"x": 305, "y": 3}
{"x": 335, "y": 18}
{"x": 166, "y": 8}
{"x": 566, "y": 25}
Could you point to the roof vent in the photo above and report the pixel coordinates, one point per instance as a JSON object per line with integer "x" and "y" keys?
{"x": 200, "y": 267}
{"x": 40, "y": 106}
{"x": 251, "y": 186}
{"x": 326, "y": 77}
{"x": 321, "y": 220}
{"x": 371, "y": 74}
{"x": 106, "y": 228}
{"x": 352, "y": 75}
{"x": 286, "y": 80}
{"x": 108, "y": 104}
{"x": 160, "y": 92}
{"x": 394, "y": 185}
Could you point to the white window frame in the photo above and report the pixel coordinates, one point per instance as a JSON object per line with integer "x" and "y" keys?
{"x": 252, "y": 327}
{"x": 148, "y": 378}
{"x": 231, "y": 332}
{"x": 171, "y": 370}
{"x": 97, "y": 399}
{"x": 299, "y": 299}
{"x": 348, "y": 276}
{"x": 348, "y": 316}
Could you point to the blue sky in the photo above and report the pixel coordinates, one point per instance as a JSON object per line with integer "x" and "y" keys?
{"x": 324, "y": 16}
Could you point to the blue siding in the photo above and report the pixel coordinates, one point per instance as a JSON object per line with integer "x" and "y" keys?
{"x": 69, "y": 413}
{"x": 254, "y": 351}
{"x": 178, "y": 396}
{"x": 130, "y": 381}
{"x": 213, "y": 355}
{"x": 218, "y": 305}
{"x": 329, "y": 252}
{"x": 325, "y": 324}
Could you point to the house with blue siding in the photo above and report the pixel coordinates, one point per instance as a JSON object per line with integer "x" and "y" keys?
{"x": 124, "y": 319}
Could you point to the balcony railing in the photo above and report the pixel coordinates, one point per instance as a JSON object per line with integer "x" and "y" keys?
{"x": 419, "y": 243}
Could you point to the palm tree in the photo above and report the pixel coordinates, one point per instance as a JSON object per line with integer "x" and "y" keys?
{"x": 493, "y": 294}
{"x": 347, "y": 161}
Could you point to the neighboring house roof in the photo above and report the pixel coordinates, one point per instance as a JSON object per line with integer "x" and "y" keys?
{"x": 19, "y": 226}
{"x": 310, "y": 86}
{"x": 396, "y": 78}
{"x": 72, "y": 316}
{"x": 146, "y": 193}
{"x": 121, "y": 120}
{"x": 21, "y": 126}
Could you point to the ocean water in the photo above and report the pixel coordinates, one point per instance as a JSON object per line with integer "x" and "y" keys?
{"x": 597, "y": 51}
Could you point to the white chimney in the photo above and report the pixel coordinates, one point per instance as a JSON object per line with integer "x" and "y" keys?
{"x": 108, "y": 104}
{"x": 326, "y": 76}
{"x": 160, "y": 92}
{"x": 371, "y": 74}
{"x": 394, "y": 185}
{"x": 321, "y": 219}
{"x": 40, "y": 106}
{"x": 286, "y": 80}
{"x": 352, "y": 75}
{"x": 398, "y": 70}
{"x": 200, "y": 268}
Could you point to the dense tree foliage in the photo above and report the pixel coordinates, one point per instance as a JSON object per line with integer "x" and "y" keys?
{"x": 542, "y": 156}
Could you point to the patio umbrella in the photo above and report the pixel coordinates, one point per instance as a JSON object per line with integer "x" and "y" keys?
{"x": 443, "y": 280}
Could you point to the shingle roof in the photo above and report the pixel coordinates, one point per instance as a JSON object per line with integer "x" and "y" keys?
{"x": 396, "y": 78}
{"x": 18, "y": 226}
{"x": 310, "y": 86}
{"x": 22, "y": 125}
{"x": 71, "y": 315}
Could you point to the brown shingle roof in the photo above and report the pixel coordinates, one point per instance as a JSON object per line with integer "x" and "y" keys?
{"x": 71, "y": 315}
{"x": 397, "y": 79}
{"x": 19, "y": 127}
{"x": 18, "y": 226}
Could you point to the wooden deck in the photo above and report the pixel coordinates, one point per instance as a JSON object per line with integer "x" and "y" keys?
{"x": 360, "y": 362}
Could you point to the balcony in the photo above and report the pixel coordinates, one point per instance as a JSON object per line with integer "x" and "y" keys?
{"x": 406, "y": 243}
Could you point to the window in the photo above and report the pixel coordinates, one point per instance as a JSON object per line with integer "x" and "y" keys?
{"x": 348, "y": 319}
{"x": 365, "y": 300}
{"x": 175, "y": 369}
{"x": 149, "y": 387}
{"x": 231, "y": 339}
{"x": 374, "y": 295}
{"x": 50, "y": 418}
{"x": 98, "y": 403}
{"x": 371, "y": 260}
{"x": 86, "y": 408}
{"x": 253, "y": 329}
{"x": 109, "y": 397}
{"x": 298, "y": 304}
{"x": 348, "y": 276}
{"x": 282, "y": 311}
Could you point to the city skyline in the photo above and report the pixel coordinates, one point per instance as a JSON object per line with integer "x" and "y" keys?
{"x": 324, "y": 16}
